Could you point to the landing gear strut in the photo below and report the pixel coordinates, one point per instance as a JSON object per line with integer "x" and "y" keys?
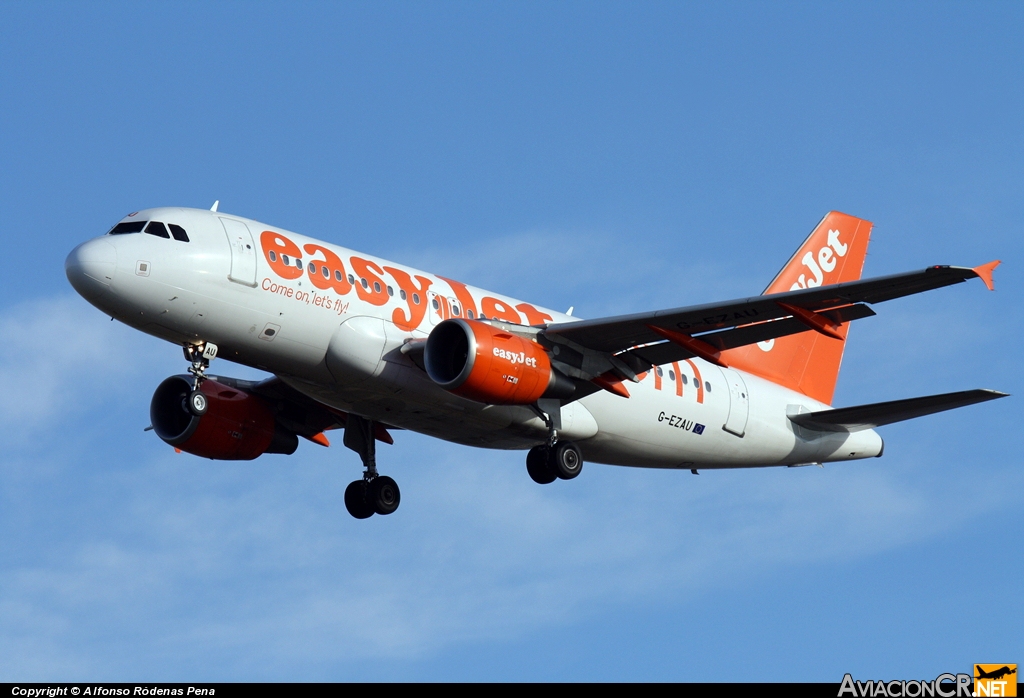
{"x": 374, "y": 494}
{"x": 200, "y": 356}
{"x": 555, "y": 459}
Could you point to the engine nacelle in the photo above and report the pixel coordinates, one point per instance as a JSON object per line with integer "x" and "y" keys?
{"x": 236, "y": 426}
{"x": 484, "y": 363}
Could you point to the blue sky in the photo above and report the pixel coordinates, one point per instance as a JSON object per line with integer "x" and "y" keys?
{"x": 614, "y": 157}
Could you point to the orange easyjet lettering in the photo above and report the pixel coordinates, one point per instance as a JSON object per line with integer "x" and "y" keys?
{"x": 369, "y": 285}
{"x": 464, "y": 296}
{"x": 415, "y": 297}
{"x": 283, "y": 255}
{"x": 533, "y": 316}
{"x": 493, "y": 308}
{"x": 328, "y": 272}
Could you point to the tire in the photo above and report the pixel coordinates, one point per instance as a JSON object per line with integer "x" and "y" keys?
{"x": 198, "y": 403}
{"x": 566, "y": 460}
{"x": 355, "y": 500}
{"x": 383, "y": 495}
{"x": 537, "y": 466}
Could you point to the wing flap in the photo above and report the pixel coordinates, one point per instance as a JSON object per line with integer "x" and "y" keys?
{"x": 882, "y": 413}
{"x": 667, "y": 352}
{"x": 615, "y": 334}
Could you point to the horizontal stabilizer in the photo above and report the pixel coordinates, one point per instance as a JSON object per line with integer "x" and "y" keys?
{"x": 882, "y": 413}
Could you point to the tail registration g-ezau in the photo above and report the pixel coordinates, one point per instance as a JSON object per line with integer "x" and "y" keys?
{"x": 368, "y": 346}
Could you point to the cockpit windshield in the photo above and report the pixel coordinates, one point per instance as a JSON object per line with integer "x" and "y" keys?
{"x": 127, "y": 227}
{"x": 154, "y": 228}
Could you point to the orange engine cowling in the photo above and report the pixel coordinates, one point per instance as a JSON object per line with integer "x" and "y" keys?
{"x": 484, "y": 363}
{"x": 236, "y": 426}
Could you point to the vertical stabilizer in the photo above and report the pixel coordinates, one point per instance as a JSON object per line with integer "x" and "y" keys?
{"x": 809, "y": 362}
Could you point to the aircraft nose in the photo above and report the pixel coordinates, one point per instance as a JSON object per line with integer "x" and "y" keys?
{"x": 90, "y": 267}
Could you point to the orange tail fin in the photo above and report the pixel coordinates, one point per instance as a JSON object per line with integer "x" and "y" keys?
{"x": 809, "y": 362}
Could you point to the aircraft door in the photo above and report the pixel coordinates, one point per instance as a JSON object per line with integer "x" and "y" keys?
{"x": 243, "y": 252}
{"x": 739, "y": 403}
{"x": 438, "y": 308}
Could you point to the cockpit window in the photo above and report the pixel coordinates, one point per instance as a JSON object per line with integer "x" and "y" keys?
{"x": 157, "y": 228}
{"x": 178, "y": 232}
{"x": 127, "y": 227}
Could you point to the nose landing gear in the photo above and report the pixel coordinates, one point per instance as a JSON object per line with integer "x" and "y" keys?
{"x": 374, "y": 494}
{"x": 200, "y": 355}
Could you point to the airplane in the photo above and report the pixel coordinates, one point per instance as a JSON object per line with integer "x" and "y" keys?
{"x": 368, "y": 346}
{"x": 995, "y": 674}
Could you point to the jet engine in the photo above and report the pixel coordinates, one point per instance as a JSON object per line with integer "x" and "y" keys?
{"x": 236, "y": 425}
{"x": 481, "y": 362}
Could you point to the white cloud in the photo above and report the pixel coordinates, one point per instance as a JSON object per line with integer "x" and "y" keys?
{"x": 57, "y": 355}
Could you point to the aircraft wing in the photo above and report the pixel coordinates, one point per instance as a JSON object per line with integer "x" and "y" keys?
{"x": 292, "y": 409}
{"x": 882, "y": 413}
{"x": 713, "y": 322}
{"x": 297, "y": 412}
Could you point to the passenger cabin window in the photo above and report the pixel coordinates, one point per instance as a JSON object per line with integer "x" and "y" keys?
{"x": 157, "y": 228}
{"x": 129, "y": 227}
{"x": 707, "y": 386}
{"x": 178, "y": 232}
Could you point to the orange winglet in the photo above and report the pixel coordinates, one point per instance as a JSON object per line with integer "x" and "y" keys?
{"x": 699, "y": 348}
{"x": 816, "y": 321}
{"x": 320, "y": 438}
{"x": 381, "y": 434}
{"x": 177, "y": 450}
{"x": 984, "y": 273}
{"x": 610, "y": 382}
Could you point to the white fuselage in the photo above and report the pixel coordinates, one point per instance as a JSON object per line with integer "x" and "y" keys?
{"x": 344, "y": 348}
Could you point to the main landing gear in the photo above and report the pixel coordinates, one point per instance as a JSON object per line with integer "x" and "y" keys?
{"x": 563, "y": 461}
{"x": 555, "y": 460}
{"x": 200, "y": 356}
{"x": 374, "y": 494}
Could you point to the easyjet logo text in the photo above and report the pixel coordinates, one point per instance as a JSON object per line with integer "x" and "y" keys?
{"x": 380, "y": 285}
{"x": 520, "y": 358}
{"x": 821, "y": 263}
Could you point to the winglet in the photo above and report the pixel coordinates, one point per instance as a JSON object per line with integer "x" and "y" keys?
{"x": 984, "y": 273}
{"x": 215, "y": 205}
